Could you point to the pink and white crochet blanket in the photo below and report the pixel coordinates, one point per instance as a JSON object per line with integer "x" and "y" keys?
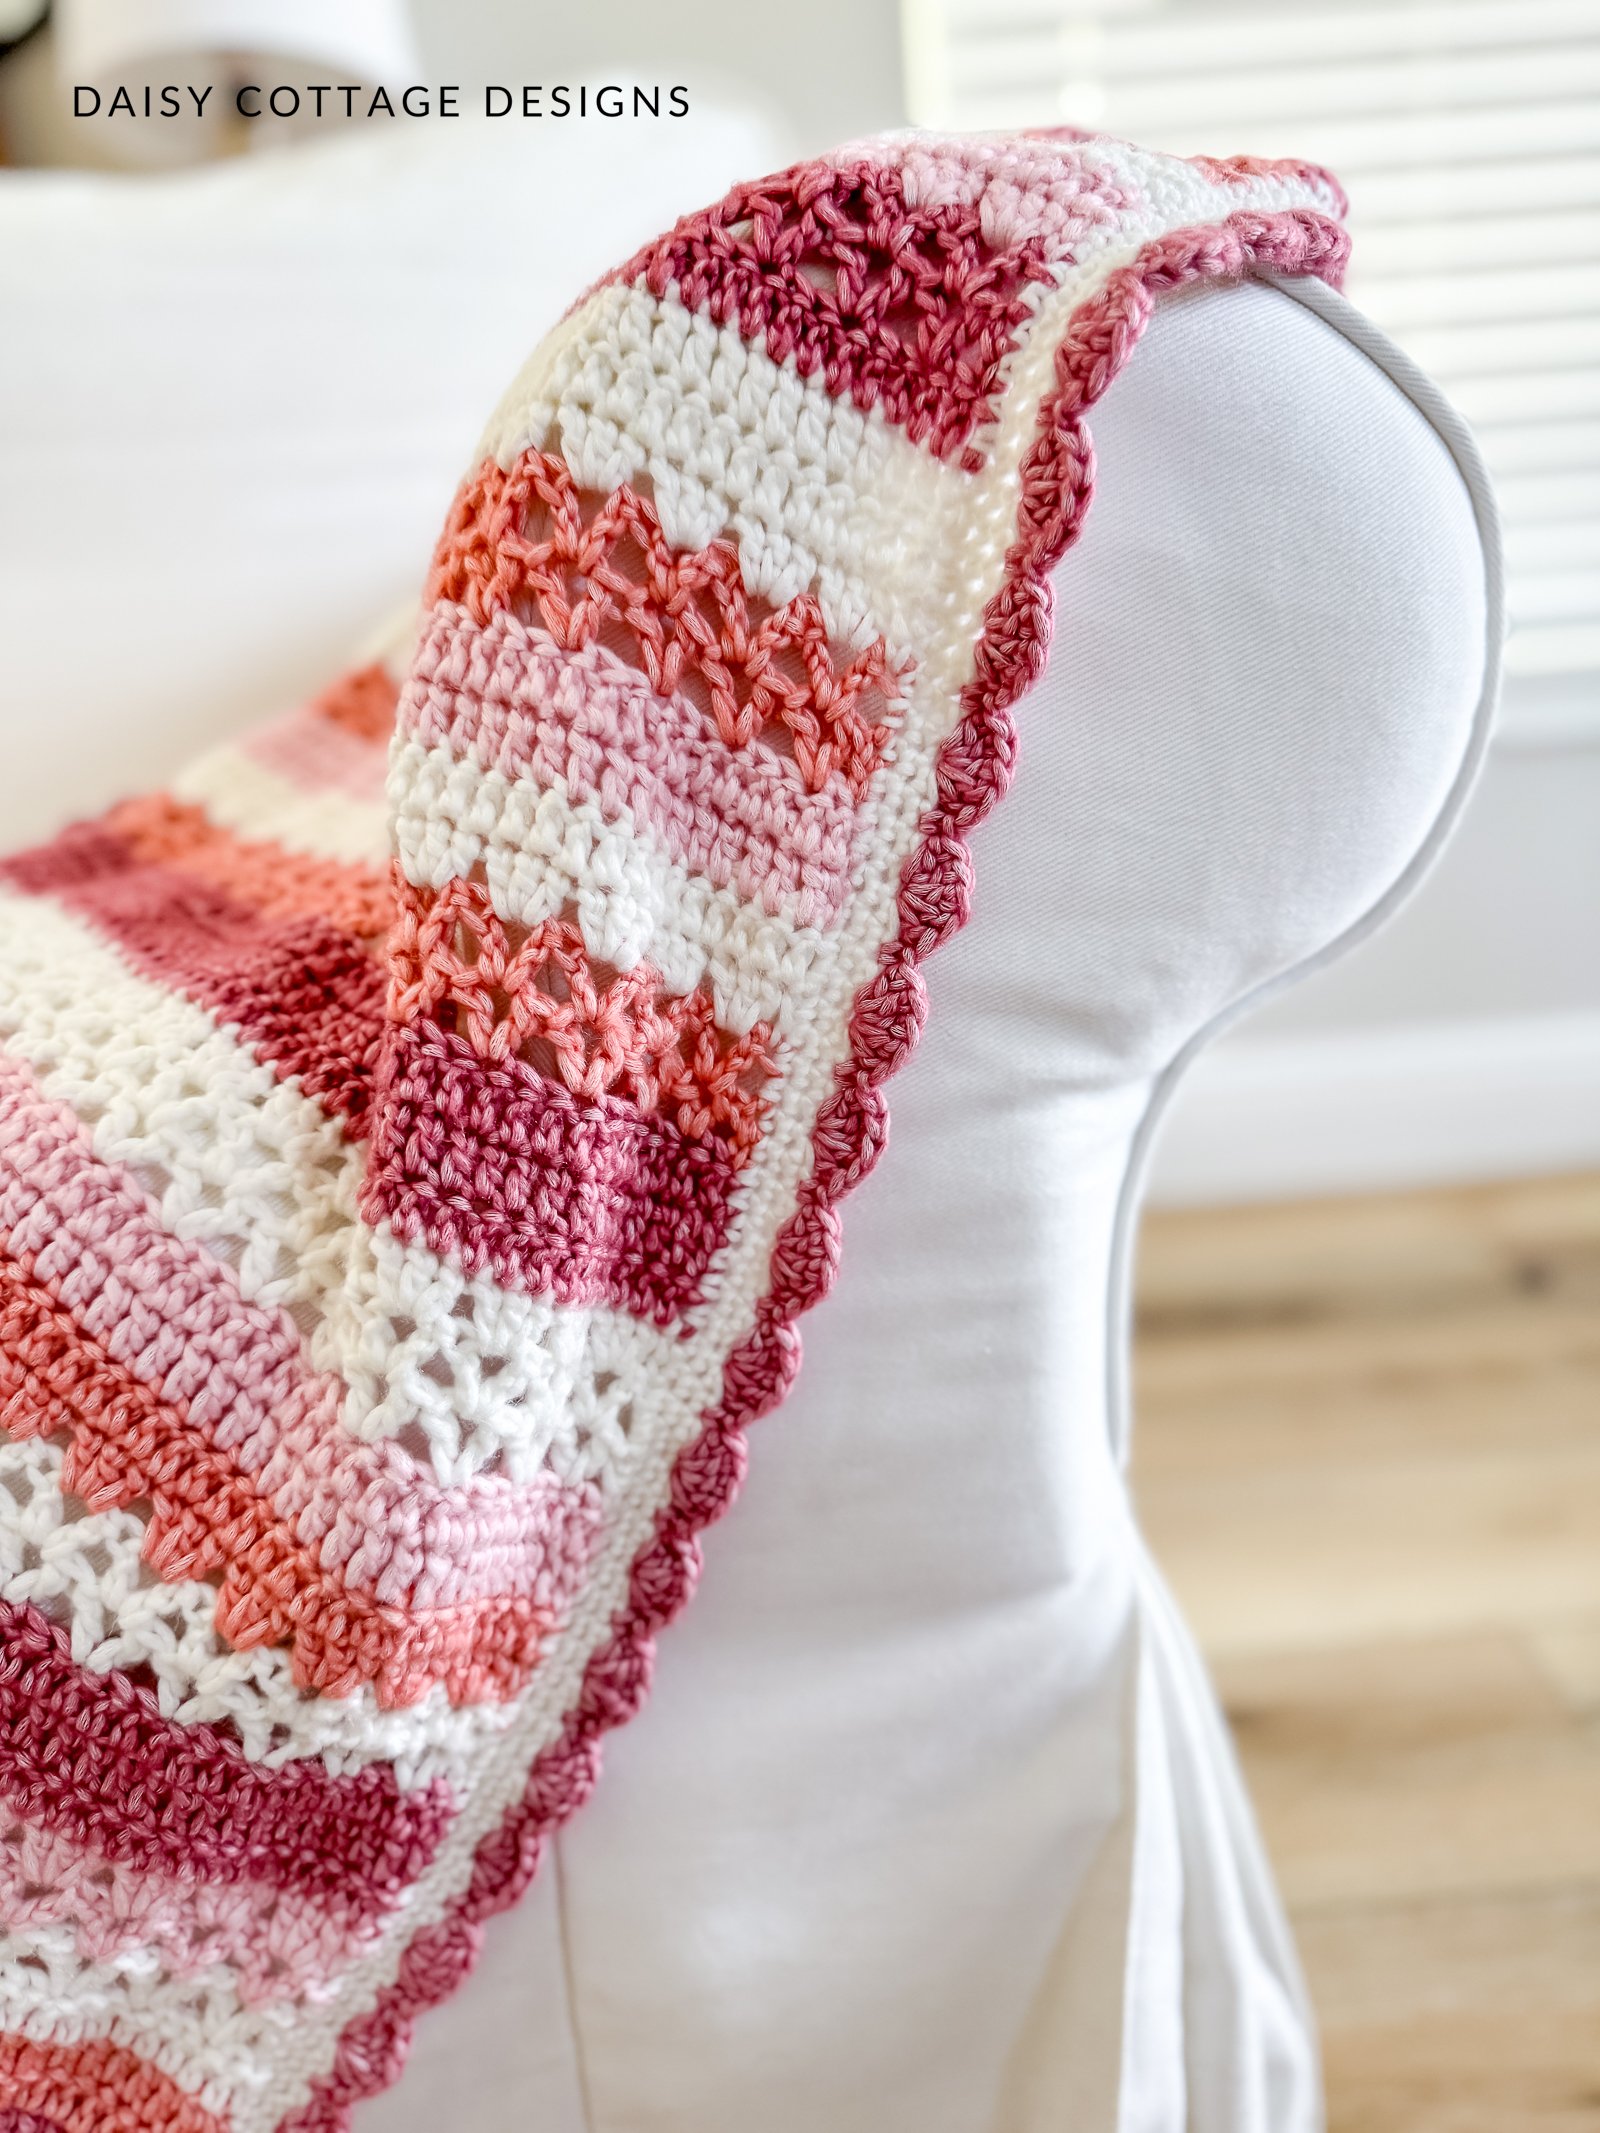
{"x": 407, "y": 1202}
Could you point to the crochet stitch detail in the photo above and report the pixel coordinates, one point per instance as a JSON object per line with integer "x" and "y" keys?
{"x": 537, "y": 993}
{"x": 500, "y": 1169}
{"x": 532, "y": 538}
{"x": 908, "y": 309}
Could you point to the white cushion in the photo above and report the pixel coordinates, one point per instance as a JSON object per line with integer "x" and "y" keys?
{"x": 234, "y": 404}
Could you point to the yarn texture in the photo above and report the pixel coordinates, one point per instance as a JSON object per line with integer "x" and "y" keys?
{"x": 422, "y": 1128}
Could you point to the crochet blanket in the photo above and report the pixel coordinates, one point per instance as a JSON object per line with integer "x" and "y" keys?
{"x": 407, "y": 1202}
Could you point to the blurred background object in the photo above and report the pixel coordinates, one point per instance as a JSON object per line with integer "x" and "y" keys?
{"x": 18, "y": 19}
{"x": 235, "y": 401}
{"x": 101, "y": 45}
{"x": 841, "y": 77}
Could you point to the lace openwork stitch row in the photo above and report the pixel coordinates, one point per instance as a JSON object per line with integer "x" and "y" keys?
{"x": 532, "y": 535}
{"x": 907, "y": 308}
{"x": 537, "y": 995}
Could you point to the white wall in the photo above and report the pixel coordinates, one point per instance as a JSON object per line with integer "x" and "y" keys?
{"x": 1462, "y": 1042}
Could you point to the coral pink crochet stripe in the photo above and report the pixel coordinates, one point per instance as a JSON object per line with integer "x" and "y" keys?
{"x": 272, "y": 882}
{"x": 127, "y": 1446}
{"x": 975, "y": 766}
{"x": 362, "y": 702}
{"x": 96, "y": 2087}
{"x": 684, "y": 619}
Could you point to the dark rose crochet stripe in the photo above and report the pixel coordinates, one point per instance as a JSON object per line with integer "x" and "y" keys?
{"x": 502, "y": 1171}
{"x": 91, "y": 1755}
{"x": 910, "y": 310}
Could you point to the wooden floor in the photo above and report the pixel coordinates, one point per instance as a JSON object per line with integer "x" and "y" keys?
{"x": 1369, "y": 1458}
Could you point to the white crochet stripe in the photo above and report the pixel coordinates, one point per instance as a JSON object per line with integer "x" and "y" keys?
{"x": 236, "y": 1159}
{"x": 542, "y": 852}
{"x": 205, "y": 2038}
{"x": 1176, "y": 192}
{"x": 818, "y": 496}
{"x": 178, "y": 2030}
{"x": 473, "y": 1376}
{"x": 247, "y": 1167}
{"x": 85, "y": 1570}
{"x": 244, "y": 796}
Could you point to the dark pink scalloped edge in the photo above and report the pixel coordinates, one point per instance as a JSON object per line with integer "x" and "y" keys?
{"x": 973, "y": 770}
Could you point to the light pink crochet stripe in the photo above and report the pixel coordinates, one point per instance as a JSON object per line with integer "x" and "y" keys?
{"x": 275, "y": 1941}
{"x": 1023, "y": 188}
{"x": 319, "y": 755}
{"x": 174, "y": 1318}
{"x": 513, "y": 701}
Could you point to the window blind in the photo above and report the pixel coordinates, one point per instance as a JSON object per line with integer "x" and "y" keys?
{"x": 1468, "y": 137}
